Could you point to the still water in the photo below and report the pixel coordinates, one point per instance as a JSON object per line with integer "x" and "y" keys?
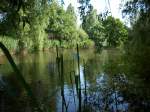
{"x": 105, "y": 87}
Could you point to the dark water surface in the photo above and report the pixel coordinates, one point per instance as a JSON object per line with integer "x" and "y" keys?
{"x": 105, "y": 87}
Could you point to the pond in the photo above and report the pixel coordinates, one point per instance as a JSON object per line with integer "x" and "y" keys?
{"x": 104, "y": 85}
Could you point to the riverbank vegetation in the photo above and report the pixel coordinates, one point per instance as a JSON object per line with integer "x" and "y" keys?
{"x": 137, "y": 46}
{"x": 37, "y": 25}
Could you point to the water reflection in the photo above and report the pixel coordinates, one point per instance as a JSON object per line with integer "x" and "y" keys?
{"x": 104, "y": 85}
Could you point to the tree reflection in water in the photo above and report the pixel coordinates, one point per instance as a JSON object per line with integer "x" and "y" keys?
{"x": 108, "y": 86}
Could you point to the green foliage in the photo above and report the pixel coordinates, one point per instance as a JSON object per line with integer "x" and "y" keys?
{"x": 38, "y": 21}
{"x": 115, "y": 31}
{"x": 137, "y": 49}
{"x": 70, "y": 11}
{"x": 27, "y": 23}
{"x": 97, "y": 34}
{"x": 9, "y": 42}
{"x": 32, "y": 23}
{"x": 39, "y": 16}
{"x": 90, "y": 20}
{"x": 61, "y": 23}
{"x": 138, "y": 45}
{"x": 62, "y": 26}
{"x": 84, "y": 40}
{"x": 94, "y": 28}
{"x": 106, "y": 31}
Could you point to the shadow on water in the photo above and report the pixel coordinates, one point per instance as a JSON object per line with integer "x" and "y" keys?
{"x": 104, "y": 85}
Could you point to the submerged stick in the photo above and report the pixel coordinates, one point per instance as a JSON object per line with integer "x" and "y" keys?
{"x": 62, "y": 84}
{"x": 58, "y": 63}
{"x": 57, "y": 50}
{"x": 77, "y": 83}
{"x": 79, "y": 89}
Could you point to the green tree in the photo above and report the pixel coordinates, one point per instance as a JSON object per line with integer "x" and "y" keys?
{"x": 94, "y": 28}
{"x": 84, "y": 40}
{"x": 31, "y": 22}
{"x": 71, "y": 12}
{"x": 57, "y": 22}
{"x": 13, "y": 21}
{"x": 90, "y": 20}
{"x": 97, "y": 35}
{"x": 39, "y": 18}
{"x": 115, "y": 31}
{"x": 26, "y": 21}
{"x": 62, "y": 25}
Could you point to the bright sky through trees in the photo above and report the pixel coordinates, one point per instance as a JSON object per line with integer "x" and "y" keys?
{"x": 101, "y": 6}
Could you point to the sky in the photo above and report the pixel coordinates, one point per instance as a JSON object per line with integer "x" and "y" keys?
{"x": 100, "y": 6}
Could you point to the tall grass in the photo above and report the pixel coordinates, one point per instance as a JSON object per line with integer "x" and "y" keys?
{"x": 9, "y": 42}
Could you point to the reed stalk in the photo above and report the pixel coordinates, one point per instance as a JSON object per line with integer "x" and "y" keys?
{"x": 85, "y": 84}
{"x": 79, "y": 81}
{"x": 62, "y": 85}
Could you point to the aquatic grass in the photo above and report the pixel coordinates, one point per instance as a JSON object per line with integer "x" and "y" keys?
{"x": 20, "y": 77}
{"x": 85, "y": 86}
